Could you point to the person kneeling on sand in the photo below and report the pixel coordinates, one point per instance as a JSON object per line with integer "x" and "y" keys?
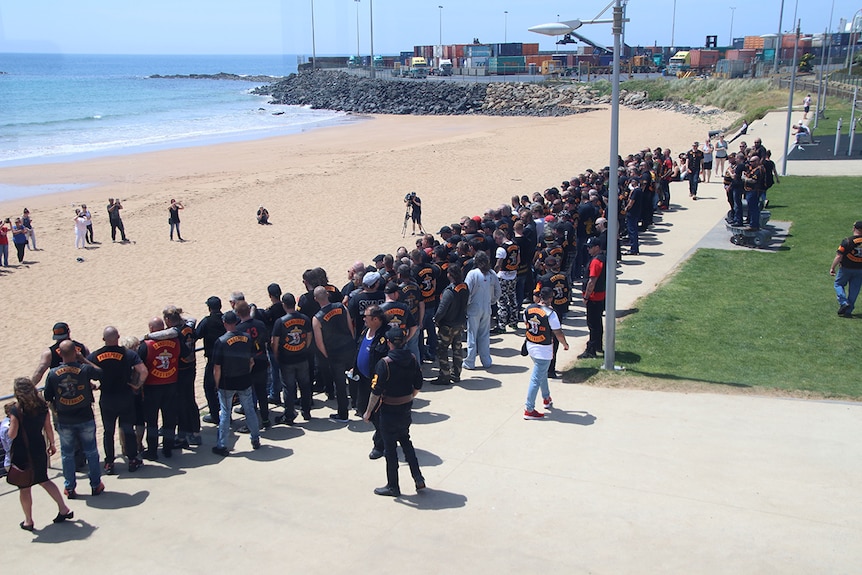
{"x": 263, "y": 216}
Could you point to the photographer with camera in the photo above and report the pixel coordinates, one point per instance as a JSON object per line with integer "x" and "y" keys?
{"x": 414, "y": 211}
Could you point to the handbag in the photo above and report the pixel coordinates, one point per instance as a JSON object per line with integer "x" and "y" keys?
{"x": 524, "y": 350}
{"x": 17, "y": 476}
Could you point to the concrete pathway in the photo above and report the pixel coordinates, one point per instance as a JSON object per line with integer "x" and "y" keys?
{"x": 614, "y": 481}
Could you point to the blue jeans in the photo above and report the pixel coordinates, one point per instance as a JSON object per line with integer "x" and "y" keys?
{"x": 85, "y": 434}
{"x": 538, "y": 379}
{"x": 693, "y": 180}
{"x": 847, "y": 284}
{"x": 478, "y": 338}
{"x": 753, "y": 200}
{"x": 4, "y": 255}
{"x": 225, "y": 398}
{"x": 177, "y": 226}
{"x": 736, "y": 193}
{"x": 273, "y": 383}
{"x": 632, "y": 227}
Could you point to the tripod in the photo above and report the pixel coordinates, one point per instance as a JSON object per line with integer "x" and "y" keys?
{"x": 407, "y": 215}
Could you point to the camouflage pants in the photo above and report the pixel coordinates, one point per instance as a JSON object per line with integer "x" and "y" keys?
{"x": 446, "y": 337}
{"x": 507, "y": 306}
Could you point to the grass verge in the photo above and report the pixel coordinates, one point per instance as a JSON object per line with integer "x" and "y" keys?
{"x": 752, "y": 319}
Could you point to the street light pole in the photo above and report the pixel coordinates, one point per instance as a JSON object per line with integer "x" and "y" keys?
{"x": 790, "y": 101}
{"x": 566, "y": 27}
{"x": 371, "y": 35}
{"x": 357, "y": 30}
{"x": 441, "y": 25}
{"x": 778, "y": 46}
{"x": 313, "y": 45}
{"x": 673, "y": 25}
{"x": 505, "y": 26}
{"x": 732, "y": 12}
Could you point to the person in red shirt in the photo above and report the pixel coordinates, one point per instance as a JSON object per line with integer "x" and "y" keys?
{"x": 594, "y": 297}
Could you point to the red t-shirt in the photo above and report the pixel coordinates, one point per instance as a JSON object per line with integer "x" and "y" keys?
{"x": 596, "y": 266}
{"x": 4, "y": 239}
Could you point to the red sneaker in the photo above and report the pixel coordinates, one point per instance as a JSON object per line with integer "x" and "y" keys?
{"x": 548, "y": 402}
{"x": 533, "y": 415}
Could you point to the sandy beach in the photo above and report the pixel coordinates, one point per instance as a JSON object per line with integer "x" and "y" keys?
{"x": 334, "y": 195}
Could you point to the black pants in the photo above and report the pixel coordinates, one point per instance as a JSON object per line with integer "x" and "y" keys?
{"x": 338, "y": 365}
{"x": 89, "y": 234}
{"x": 395, "y": 423}
{"x": 188, "y": 413}
{"x": 20, "y": 249}
{"x": 210, "y": 392}
{"x": 363, "y": 397}
{"x": 160, "y": 398}
{"x": 120, "y": 406}
{"x": 258, "y": 384}
{"x": 594, "y": 323}
{"x": 295, "y": 375}
{"x": 118, "y": 225}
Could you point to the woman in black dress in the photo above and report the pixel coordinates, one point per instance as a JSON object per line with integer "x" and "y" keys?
{"x": 29, "y": 418}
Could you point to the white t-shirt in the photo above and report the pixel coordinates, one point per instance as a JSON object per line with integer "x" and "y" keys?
{"x": 6, "y": 441}
{"x": 503, "y": 274}
{"x": 539, "y": 351}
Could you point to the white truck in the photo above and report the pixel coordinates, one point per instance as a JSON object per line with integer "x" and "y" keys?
{"x": 444, "y": 68}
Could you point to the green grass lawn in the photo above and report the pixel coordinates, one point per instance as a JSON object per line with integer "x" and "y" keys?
{"x": 753, "y": 318}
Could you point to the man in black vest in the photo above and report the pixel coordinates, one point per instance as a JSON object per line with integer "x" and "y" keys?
{"x": 397, "y": 380}
{"x": 291, "y": 346}
{"x": 594, "y": 297}
{"x": 334, "y": 336}
{"x": 209, "y": 329}
{"x": 451, "y": 320}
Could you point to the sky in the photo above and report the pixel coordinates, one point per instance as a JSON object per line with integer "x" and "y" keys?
{"x": 285, "y": 26}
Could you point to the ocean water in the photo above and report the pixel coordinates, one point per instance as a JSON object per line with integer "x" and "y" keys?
{"x": 62, "y": 107}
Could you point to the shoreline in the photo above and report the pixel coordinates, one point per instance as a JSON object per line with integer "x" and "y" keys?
{"x": 334, "y": 195}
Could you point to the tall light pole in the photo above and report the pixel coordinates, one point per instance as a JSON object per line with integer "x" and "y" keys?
{"x": 313, "y": 45}
{"x": 357, "y": 30}
{"x": 778, "y": 46}
{"x": 505, "y": 26}
{"x": 790, "y": 100}
{"x": 673, "y": 26}
{"x": 732, "y": 12}
{"x": 371, "y": 35}
{"x": 613, "y": 179}
{"x": 441, "y": 25}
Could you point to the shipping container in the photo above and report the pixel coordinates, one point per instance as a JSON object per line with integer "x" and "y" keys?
{"x": 476, "y": 62}
{"x": 459, "y": 50}
{"x": 703, "y": 58}
{"x": 506, "y": 65}
{"x": 730, "y": 68}
{"x": 753, "y": 43}
{"x": 530, "y": 49}
{"x": 509, "y": 49}
{"x": 477, "y": 50}
{"x": 746, "y": 54}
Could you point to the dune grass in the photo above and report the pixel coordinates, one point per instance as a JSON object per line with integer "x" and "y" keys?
{"x": 752, "y": 318}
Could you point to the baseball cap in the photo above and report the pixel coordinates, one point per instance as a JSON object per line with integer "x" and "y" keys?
{"x": 593, "y": 242}
{"x": 379, "y": 258}
{"x": 395, "y": 335}
{"x": 445, "y": 230}
{"x": 61, "y": 331}
{"x": 370, "y": 279}
{"x": 858, "y": 225}
{"x": 391, "y": 287}
{"x": 213, "y": 302}
{"x": 230, "y": 317}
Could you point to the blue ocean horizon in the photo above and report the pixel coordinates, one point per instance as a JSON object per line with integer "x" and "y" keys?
{"x": 67, "y": 107}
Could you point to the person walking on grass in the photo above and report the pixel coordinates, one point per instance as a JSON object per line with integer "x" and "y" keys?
{"x": 848, "y": 280}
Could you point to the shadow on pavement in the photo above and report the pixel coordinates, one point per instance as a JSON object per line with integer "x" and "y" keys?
{"x": 76, "y": 530}
{"x": 433, "y": 499}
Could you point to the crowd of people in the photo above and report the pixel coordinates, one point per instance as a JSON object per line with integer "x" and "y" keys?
{"x": 517, "y": 268}
{"x": 23, "y": 236}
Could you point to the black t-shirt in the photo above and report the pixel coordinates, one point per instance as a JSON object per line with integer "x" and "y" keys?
{"x": 68, "y": 388}
{"x": 232, "y": 352}
{"x": 398, "y": 376}
{"x": 117, "y": 363}
{"x": 291, "y": 330}
{"x": 210, "y": 329}
{"x": 55, "y": 352}
{"x": 260, "y": 340}
{"x": 361, "y": 301}
{"x": 398, "y": 315}
{"x": 335, "y": 330}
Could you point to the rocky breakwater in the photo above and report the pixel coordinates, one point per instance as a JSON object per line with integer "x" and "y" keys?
{"x": 349, "y": 93}
{"x": 219, "y": 76}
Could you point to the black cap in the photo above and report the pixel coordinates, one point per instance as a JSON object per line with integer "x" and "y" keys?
{"x": 445, "y": 230}
{"x": 230, "y": 317}
{"x": 395, "y": 335}
{"x": 61, "y": 331}
{"x": 379, "y": 258}
{"x": 858, "y": 225}
{"x": 214, "y": 302}
{"x": 391, "y": 287}
{"x": 593, "y": 242}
